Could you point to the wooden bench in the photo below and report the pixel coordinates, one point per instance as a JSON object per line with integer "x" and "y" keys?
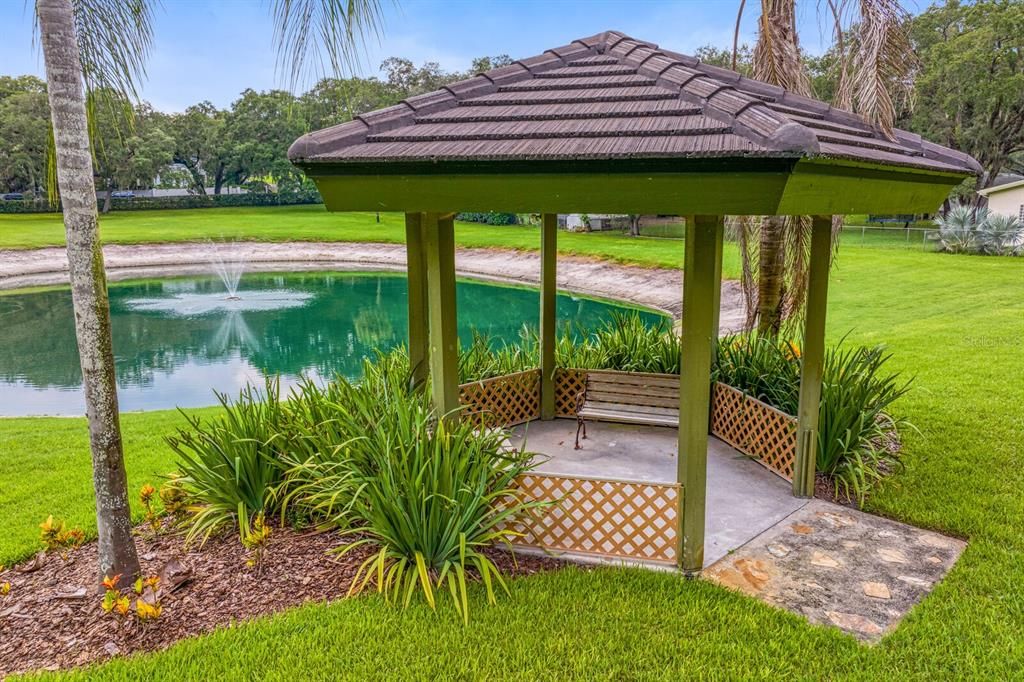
{"x": 628, "y": 398}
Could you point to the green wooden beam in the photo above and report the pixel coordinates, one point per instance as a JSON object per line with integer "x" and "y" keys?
{"x": 819, "y": 186}
{"x": 812, "y": 356}
{"x": 439, "y": 248}
{"x": 548, "y": 298}
{"x": 703, "y": 250}
{"x": 417, "y": 275}
{"x": 740, "y": 193}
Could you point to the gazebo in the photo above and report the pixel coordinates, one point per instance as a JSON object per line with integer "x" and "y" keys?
{"x": 615, "y": 125}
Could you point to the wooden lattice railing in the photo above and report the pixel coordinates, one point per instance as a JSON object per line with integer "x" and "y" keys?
{"x": 502, "y": 401}
{"x": 604, "y": 518}
{"x": 754, "y": 428}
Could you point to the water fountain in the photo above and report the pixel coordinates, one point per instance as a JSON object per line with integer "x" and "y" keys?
{"x": 228, "y": 264}
{"x": 229, "y": 269}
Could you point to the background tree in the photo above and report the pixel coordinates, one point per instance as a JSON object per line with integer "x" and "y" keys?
{"x": 93, "y": 46}
{"x": 24, "y": 133}
{"x": 970, "y": 91}
{"x": 200, "y": 145}
{"x": 132, "y": 145}
{"x": 258, "y": 131}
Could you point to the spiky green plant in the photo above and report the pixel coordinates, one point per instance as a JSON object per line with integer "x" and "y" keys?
{"x": 229, "y": 462}
{"x": 434, "y": 494}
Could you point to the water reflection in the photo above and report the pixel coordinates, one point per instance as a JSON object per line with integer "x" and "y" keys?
{"x": 175, "y": 340}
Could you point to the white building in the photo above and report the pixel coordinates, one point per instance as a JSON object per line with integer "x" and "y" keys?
{"x": 1007, "y": 199}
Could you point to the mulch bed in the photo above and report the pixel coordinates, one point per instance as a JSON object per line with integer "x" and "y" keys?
{"x": 52, "y": 617}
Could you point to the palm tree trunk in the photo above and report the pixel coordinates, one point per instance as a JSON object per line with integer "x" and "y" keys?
{"x": 771, "y": 275}
{"x": 65, "y": 88}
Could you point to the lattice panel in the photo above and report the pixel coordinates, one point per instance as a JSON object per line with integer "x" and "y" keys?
{"x": 502, "y": 401}
{"x": 608, "y": 518}
{"x": 568, "y": 384}
{"x": 756, "y": 429}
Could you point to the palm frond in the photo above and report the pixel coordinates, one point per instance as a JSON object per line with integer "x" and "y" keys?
{"x": 312, "y": 37}
{"x": 114, "y": 41}
{"x": 883, "y": 65}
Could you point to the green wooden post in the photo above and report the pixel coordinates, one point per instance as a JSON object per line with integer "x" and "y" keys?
{"x": 439, "y": 246}
{"x": 548, "y": 260}
{"x": 812, "y": 357}
{"x": 417, "y": 275}
{"x": 717, "y": 309}
{"x": 703, "y": 249}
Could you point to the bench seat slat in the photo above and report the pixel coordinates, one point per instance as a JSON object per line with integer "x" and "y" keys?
{"x": 631, "y": 418}
{"x": 631, "y": 389}
{"x": 633, "y": 378}
{"x": 636, "y": 409}
{"x": 668, "y": 401}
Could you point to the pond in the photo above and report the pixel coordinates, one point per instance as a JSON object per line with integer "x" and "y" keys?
{"x": 177, "y": 340}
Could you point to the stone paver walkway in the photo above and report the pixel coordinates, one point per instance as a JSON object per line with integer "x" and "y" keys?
{"x": 841, "y": 567}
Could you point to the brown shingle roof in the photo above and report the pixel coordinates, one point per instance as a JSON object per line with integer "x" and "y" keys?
{"x": 612, "y": 97}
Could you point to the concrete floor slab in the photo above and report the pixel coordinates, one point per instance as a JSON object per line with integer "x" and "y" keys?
{"x": 743, "y": 498}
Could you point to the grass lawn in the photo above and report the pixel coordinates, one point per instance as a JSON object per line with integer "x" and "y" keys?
{"x": 314, "y": 223}
{"x": 954, "y": 322}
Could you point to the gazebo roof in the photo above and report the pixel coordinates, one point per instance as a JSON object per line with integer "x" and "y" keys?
{"x": 610, "y": 97}
{"x": 617, "y": 125}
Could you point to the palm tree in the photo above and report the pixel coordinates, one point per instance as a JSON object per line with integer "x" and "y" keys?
{"x": 874, "y": 68}
{"x": 92, "y": 47}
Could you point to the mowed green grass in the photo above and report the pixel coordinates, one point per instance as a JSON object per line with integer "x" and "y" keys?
{"x": 956, "y": 323}
{"x": 315, "y": 223}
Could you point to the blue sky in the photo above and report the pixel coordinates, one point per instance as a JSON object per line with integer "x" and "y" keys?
{"x": 214, "y": 50}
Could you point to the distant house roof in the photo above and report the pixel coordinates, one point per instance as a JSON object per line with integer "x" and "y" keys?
{"x": 610, "y": 97}
{"x": 995, "y": 189}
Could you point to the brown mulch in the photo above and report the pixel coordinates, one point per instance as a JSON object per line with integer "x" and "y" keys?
{"x": 52, "y": 619}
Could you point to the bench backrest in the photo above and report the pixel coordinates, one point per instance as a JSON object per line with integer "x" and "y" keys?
{"x": 657, "y": 394}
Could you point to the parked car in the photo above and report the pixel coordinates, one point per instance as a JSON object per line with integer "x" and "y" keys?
{"x": 122, "y": 194}
{"x": 13, "y": 196}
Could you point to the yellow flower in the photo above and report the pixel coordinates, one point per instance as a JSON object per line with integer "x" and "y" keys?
{"x": 794, "y": 349}
{"x": 147, "y": 611}
{"x": 146, "y": 494}
{"x": 5, "y": 589}
{"x": 123, "y": 605}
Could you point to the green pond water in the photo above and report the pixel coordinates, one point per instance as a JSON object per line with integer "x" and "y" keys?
{"x": 177, "y": 340}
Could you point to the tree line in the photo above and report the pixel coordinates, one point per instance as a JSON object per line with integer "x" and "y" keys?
{"x": 969, "y": 95}
{"x": 204, "y": 148}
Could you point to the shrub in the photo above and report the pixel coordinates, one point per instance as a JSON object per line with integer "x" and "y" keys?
{"x": 432, "y": 494}
{"x": 853, "y": 422}
{"x": 289, "y": 195}
{"x": 489, "y": 218}
{"x": 968, "y": 229}
{"x": 855, "y": 396}
{"x": 625, "y": 342}
{"x": 1001, "y": 235}
{"x": 958, "y": 228}
{"x": 229, "y": 463}
{"x": 483, "y": 359}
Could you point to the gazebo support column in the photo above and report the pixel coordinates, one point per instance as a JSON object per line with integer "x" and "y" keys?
{"x": 812, "y": 357}
{"x": 700, "y": 297}
{"x": 548, "y": 260}
{"x": 439, "y": 248}
{"x": 417, "y": 274}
